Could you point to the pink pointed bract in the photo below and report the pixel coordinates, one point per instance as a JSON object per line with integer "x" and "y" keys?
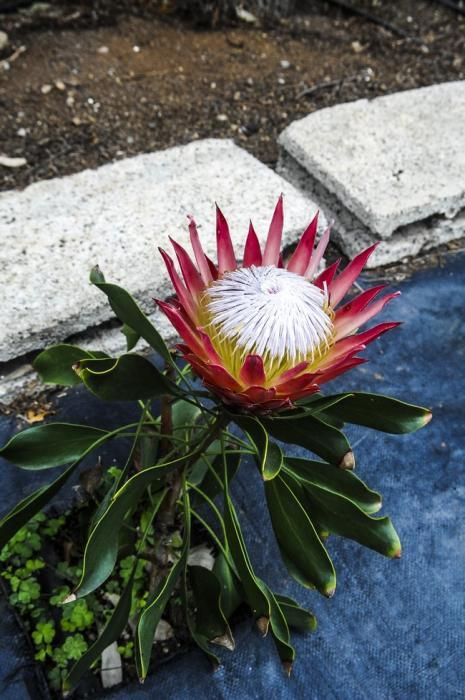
{"x": 264, "y": 334}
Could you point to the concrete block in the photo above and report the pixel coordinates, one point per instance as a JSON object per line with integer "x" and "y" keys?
{"x": 353, "y": 236}
{"x": 116, "y": 216}
{"x": 392, "y": 161}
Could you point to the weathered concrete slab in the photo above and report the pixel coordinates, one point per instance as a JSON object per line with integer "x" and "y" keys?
{"x": 352, "y": 235}
{"x": 389, "y": 163}
{"x": 54, "y": 231}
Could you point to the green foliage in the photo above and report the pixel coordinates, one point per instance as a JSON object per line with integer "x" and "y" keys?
{"x": 120, "y": 560}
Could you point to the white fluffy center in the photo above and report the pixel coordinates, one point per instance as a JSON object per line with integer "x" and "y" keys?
{"x": 270, "y": 311}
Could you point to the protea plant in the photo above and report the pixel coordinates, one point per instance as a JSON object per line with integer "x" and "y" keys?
{"x": 264, "y": 336}
{"x": 265, "y": 333}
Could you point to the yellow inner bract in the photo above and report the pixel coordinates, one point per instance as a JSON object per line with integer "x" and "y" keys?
{"x": 233, "y": 355}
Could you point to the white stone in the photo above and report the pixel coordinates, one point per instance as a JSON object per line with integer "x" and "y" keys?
{"x": 116, "y": 216}
{"x": 353, "y": 236}
{"x": 391, "y": 161}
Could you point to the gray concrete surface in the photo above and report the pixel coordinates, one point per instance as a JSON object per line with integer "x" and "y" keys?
{"x": 352, "y": 235}
{"x": 388, "y": 164}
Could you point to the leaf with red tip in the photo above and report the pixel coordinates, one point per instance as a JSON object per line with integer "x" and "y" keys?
{"x": 299, "y": 383}
{"x": 185, "y": 330}
{"x": 252, "y": 372}
{"x": 226, "y": 257}
{"x": 333, "y": 372}
{"x": 345, "y": 280}
{"x": 273, "y": 241}
{"x": 183, "y": 294}
{"x": 291, "y": 373}
{"x": 302, "y": 254}
{"x": 252, "y": 251}
{"x": 327, "y": 276}
{"x": 317, "y": 255}
{"x": 351, "y": 322}
{"x": 189, "y": 271}
{"x": 200, "y": 258}
{"x": 213, "y": 268}
{"x": 259, "y": 395}
{"x": 355, "y": 343}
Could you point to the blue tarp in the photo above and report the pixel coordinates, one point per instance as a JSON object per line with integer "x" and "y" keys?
{"x": 395, "y": 629}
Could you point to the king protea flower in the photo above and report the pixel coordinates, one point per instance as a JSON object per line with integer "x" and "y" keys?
{"x": 265, "y": 333}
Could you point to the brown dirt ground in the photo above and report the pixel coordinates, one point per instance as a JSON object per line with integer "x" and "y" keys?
{"x": 92, "y": 86}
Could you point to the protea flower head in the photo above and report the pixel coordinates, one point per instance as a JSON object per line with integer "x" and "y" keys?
{"x": 265, "y": 333}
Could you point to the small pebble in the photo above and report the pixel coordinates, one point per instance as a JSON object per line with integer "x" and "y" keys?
{"x": 222, "y": 117}
{"x": 21, "y": 132}
{"x": 3, "y": 40}
{"x": 285, "y": 64}
{"x": 103, "y": 49}
{"x": 45, "y": 89}
{"x": 59, "y": 84}
{"x": 136, "y": 49}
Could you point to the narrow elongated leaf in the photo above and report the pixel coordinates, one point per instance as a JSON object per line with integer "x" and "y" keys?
{"x": 313, "y": 434}
{"x": 302, "y": 550}
{"x": 343, "y": 517}
{"x": 210, "y": 620}
{"x": 55, "y": 364}
{"x": 320, "y": 403}
{"x": 132, "y": 337}
{"x": 112, "y": 630}
{"x": 51, "y": 445}
{"x": 101, "y": 550}
{"x": 338, "y": 481}
{"x": 212, "y": 483}
{"x": 255, "y": 597}
{"x": 279, "y": 629}
{"x": 381, "y": 413}
{"x": 270, "y": 457}
{"x": 151, "y": 614}
{"x": 30, "y": 506}
{"x": 200, "y": 639}
{"x": 231, "y": 593}
{"x": 296, "y": 617}
{"x": 127, "y": 378}
{"x": 128, "y": 311}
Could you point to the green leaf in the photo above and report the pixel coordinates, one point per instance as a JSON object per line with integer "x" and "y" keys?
{"x": 210, "y": 620}
{"x": 32, "y": 504}
{"x": 132, "y": 337}
{"x": 338, "y": 481}
{"x": 296, "y": 617}
{"x": 231, "y": 594}
{"x": 212, "y": 483}
{"x": 255, "y": 597}
{"x": 343, "y": 517}
{"x": 315, "y": 435}
{"x": 101, "y": 550}
{"x": 127, "y": 378}
{"x": 302, "y": 550}
{"x": 51, "y": 445}
{"x": 279, "y": 630}
{"x": 151, "y": 614}
{"x": 55, "y": 364}
{"x": 128, "y": 311}
{"x": 112, "y": 630}
{"x": 381, "y": 413}
{"x": 270, "y": 457}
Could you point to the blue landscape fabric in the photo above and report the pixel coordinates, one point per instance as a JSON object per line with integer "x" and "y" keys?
{"x": 395, "y": 629}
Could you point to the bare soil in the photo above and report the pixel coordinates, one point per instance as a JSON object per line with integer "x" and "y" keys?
{"x": 85, "y": 83}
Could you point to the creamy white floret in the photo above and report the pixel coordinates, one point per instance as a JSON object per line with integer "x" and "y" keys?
{"x": 270, "y": 311}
